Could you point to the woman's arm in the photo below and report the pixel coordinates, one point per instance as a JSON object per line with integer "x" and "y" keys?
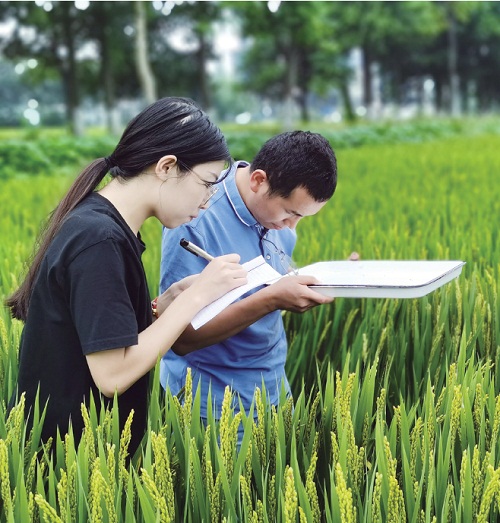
{"x": 115, "y": 370}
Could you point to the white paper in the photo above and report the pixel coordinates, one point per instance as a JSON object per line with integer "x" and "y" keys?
{"x": 259, "y": 273}
{"x": 348, "y": 279}
{"x": 382, "y": 278}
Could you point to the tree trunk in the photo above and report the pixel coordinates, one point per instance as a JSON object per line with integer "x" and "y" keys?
{"x": 109, "y": 89}
{"x": 69, "y": 70}
{"x": 438, "y": 87}
{"x": 203, "y": 81}
{"x": 367, "y": 78}
{"x": 303, "y": 79}
{"x": 455, "y": 106}
{"x": 144, "y": 71}
{"x": 304, "y": 106}
{"x": 346, "y": 99}
{"x": 290, "y": 89}
{"x": 106, "y": 73}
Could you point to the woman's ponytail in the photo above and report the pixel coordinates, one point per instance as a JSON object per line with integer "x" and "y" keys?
{"x": 171, "y": 125}
{"x": 87, "y": 181}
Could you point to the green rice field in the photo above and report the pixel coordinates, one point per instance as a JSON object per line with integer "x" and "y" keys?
{"x": 396, "y": 403}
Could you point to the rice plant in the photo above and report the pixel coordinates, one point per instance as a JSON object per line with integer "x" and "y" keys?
{"x": 395, "y": 413}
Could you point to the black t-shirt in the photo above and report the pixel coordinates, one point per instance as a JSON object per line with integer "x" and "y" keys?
{"x": 90, "y": 295}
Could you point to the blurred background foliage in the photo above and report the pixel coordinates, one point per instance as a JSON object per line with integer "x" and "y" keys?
{"x": 82, "y": 64}
{"x": 37, "y": 151}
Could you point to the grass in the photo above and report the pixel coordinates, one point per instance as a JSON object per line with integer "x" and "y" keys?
{"x": 396, "y": 411}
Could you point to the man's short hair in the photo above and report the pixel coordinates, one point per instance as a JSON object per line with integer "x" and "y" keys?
{"x": 298, "y": 159}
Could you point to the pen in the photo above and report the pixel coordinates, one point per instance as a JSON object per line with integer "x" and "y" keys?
{"x": 194, "y": 249}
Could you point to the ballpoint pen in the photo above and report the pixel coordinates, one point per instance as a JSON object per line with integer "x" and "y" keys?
{"x": 194, "y": 249}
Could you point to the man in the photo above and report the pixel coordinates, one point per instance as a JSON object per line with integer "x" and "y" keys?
{"x": 254, "y": 213}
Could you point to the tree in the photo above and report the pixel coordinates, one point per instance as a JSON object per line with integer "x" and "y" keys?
{"x": 428, "y": 42}
{"x": 478, "y": 39}
{"x": 196, "y": 21}
{"x": 287, "y": 49}
{"x": 387, "y": 34}
{"x": 201, "y": 16}
{"x": 453, "y": 14}
{"x": 146, "y": 76}
{"x": 105, "y": 23}
{"x": 52, "y": 38}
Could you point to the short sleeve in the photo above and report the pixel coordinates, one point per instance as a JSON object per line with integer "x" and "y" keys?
{"x": 176, "y": 262}
{"x": 100, "y": 298}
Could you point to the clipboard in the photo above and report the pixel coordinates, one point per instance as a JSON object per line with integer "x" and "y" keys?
{"x": 381, "y": 278}
{"x": 347, "y": 279}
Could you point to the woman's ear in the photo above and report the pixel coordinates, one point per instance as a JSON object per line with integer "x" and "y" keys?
{"x": 164, "y": 166}
{"x": 258, "y": 180}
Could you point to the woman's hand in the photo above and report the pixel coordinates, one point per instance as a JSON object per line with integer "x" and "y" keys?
{"x": 165, "y": 299}
{"x": 220, "y": 276}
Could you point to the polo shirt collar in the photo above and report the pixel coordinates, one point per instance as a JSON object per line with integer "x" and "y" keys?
{"x": 235, "y": 199}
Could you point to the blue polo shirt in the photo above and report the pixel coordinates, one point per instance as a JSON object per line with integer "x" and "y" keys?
{"x": 256, "y": 354}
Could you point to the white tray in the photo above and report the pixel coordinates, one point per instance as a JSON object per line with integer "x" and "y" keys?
{"x": 381, "y": 278}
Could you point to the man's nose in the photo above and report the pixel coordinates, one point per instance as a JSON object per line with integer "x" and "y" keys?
{"x": 291, "y": 223}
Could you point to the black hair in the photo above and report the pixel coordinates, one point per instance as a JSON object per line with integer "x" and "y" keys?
{"x": 169, "y": 126}
{"x": 298, "y": 159}
{"x": 172, "y": 125}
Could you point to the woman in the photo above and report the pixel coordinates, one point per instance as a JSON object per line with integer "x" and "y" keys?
{"x": 89, "y": 326}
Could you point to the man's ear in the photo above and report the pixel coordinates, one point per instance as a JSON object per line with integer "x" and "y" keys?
{"x": 165, "y": 165}
{"x": 258, "y": 180}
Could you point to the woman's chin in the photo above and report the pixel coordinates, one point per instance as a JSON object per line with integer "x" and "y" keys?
{"x": 172, "y": 224}
{"x": 187, "y": 220}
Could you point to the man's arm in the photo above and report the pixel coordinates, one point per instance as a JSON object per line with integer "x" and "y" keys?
{"x": 289, "y": 293}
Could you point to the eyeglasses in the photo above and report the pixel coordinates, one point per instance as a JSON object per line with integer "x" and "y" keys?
{"x": 288, "y": 265}
{"x": 211, "y": 192}
{"x": 209, "y": 186}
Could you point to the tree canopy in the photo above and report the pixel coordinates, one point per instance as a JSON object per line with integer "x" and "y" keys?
{"x": 294, "y": 55}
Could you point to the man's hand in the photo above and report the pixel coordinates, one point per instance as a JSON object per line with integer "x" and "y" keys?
{"x": 292, "y": 293}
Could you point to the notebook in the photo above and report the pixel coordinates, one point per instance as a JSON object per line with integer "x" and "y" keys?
{"x": 348, "y": 279}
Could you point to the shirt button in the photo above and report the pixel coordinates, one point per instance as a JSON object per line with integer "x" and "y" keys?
{"x": 268, "y": 256}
